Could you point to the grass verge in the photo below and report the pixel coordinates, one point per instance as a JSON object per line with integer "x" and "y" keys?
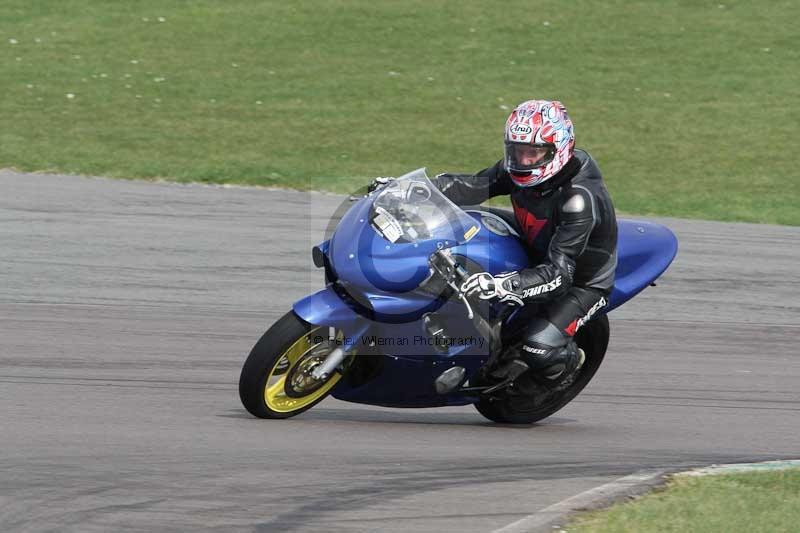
{"x": 688, "y": 106}
{"x": 746, "y": 502}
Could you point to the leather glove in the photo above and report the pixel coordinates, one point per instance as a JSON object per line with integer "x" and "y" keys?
{"x": 379, "y": 182}
{"x": 501, "y": 288}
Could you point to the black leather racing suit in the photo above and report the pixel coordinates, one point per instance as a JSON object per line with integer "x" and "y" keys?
{"x": 569, "y": 225}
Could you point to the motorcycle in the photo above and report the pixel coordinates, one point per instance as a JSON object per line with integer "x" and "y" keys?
{"x": 391, "y": 327}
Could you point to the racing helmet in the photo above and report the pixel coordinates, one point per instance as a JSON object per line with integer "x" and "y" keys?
{"x": 539, "y": 140}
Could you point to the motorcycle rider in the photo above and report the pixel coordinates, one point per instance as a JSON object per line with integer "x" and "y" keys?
{"x": 564, "y": 213}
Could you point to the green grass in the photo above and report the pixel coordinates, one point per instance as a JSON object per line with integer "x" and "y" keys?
{"x": 752, "y": 502}
{"x": 691, "y": 109}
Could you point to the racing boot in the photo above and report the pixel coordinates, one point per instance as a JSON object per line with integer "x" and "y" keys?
{"x": 510, "y": 370}
{"x": 563, "y": 372}
{"x": 556, "y": 365}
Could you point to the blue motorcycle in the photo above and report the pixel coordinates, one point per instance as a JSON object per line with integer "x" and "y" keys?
{"x": 391, "y": 328}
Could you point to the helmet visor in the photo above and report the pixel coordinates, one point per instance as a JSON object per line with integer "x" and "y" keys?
{"x": 524, "y": 157}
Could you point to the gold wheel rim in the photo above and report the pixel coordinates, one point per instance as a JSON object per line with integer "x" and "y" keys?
{"x": 298, "y": 353}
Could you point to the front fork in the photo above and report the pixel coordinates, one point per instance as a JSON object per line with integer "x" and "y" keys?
{"x": 331, "y": 362}
{"x": 344, "y": 348}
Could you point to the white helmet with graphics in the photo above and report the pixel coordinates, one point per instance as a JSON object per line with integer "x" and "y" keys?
{"x": 539, "y": 140}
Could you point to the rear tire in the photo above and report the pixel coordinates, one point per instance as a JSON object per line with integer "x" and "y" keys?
{"x": 516, "y": 409}
{"x": 275, "y": 381}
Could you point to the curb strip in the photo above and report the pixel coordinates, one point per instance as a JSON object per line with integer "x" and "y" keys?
{"x": 550, "y": 517}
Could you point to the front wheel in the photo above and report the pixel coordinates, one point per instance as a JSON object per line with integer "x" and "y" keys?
{"x": 539, "y": 402}
{"x": 276, "y": 380}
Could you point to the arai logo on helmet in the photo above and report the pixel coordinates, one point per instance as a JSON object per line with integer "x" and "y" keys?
{"x": 520, "y": 129}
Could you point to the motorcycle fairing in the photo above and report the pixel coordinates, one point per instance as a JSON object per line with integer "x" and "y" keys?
{"x": 407, "y": 370}
{"x": 644, "y": 251}
{"x": 357, "y": 254}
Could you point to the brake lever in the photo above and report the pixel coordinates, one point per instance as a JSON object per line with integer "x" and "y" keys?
{"x": 463, "y": 298}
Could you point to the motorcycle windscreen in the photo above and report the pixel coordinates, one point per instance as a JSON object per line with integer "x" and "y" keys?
{"x": 411, "y": 209}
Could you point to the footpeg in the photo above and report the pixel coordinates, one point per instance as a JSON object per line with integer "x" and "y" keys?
{"x": 510, "y": 371}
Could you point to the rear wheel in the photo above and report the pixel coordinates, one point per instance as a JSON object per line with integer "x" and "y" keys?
{"x": 531, "y": 402}
{"x": 276, "y": 380}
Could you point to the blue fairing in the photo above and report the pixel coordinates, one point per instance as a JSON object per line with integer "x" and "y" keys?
{"x": 409, "y": 364}
{"x": 382, "y": 276}
{"x": 326, "y": 308}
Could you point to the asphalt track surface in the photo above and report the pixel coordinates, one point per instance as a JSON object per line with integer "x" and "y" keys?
{"x": 127, "y": 309}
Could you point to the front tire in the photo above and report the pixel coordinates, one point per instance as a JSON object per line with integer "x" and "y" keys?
{"x": 527, "y": 409}
{"x": 276, "y": 379}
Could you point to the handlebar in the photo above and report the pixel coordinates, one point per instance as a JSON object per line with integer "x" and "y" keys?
{"x": 453, "y": 273}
